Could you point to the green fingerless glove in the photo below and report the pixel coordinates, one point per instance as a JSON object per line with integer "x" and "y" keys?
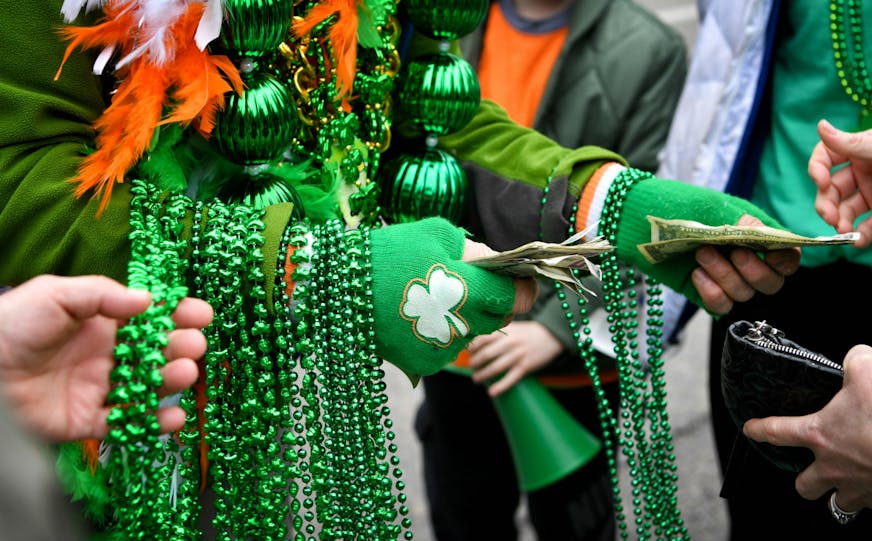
{"x": 670, "y": 199}
{"x": 427, "y": 303}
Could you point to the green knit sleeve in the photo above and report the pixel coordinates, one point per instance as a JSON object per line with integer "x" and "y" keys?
{"x": 496, "y": 143}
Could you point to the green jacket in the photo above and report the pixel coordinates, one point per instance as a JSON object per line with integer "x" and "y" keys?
{"x": 615, "y": 84}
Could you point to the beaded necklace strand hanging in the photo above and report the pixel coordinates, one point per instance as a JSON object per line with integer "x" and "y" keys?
{"x": 846, "y": 32}
{"x": 648, "y": 451}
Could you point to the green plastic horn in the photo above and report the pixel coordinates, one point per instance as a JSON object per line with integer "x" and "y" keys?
{"x": 547, "y": 443}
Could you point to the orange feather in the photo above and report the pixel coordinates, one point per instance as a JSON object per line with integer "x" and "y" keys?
{"x": 191, "y": 85}
{"x": 114, "y": 32}
{"x": 198, "y": 78}
{"x": 91, "y": 453}
{"x": 343, "y": 36}
{"x": 124, "y": 130}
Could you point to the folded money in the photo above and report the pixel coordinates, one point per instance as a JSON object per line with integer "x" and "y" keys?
{"x": 564, "y": 262}
{"x": 671, "y": 237}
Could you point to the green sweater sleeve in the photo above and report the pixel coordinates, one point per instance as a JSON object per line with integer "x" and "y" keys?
{"x": 496, "y": 143}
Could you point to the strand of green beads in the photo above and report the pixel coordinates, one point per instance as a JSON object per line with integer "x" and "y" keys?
{"x": 245, "y": 401}
{"x": 285, "y": 365}
{"x": 219, "y": 435}
{"x": 846, "y": 25}
{"x": 311, "y": 407}
{"x": 243, "y": 375}
{"x": 544, "y": 200}
{"x": 299, "y": 316}
{"x": 631, "y": 406}
{"x": 608, "y": 419}
{"x": 608, "y": 422}
{"x": 187, "y": 500}
{"x": 340, "y": 369}
{"x": 338, "y": 389}
{"x": 260, "y": 388}
{"x": 378, "y": 464}
{"x": 134, "y": 435}
{"x": 655, "y": 475}
{"x": 170, "y": 520}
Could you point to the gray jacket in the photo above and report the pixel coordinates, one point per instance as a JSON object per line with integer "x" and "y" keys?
{"x": 615, "y": 85}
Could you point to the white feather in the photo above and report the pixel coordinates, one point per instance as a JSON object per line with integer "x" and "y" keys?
{"x": 72, "y": 8}
{"x": 210, "y": 23}
{"x": 103, "y": 59}
{"x": 155, "y": 21}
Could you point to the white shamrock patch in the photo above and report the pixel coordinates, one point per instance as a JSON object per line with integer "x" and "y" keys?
{"x": 432, "y": 306}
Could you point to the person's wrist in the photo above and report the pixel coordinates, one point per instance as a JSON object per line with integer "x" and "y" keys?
{"x": 593, "y": 197}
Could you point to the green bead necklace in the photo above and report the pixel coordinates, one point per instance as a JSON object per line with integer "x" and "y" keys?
{"x": 299, "y": 435}
{"x": 642, "y": 430}
{"x": 846, "y": 32}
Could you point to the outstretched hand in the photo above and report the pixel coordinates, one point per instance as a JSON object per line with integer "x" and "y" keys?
{"x": 57, "y": 337}
{"x": 845, "y": 194}
{"x": 723, "y": 280}
{"x": 840, "y": 435}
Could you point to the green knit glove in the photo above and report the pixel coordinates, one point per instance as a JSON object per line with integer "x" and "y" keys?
{"x": 427, "y": 303}
{"x": 670, "y": 199}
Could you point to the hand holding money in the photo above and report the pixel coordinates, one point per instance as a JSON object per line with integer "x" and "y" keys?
{"x": 564, "y": 262}
{"x": 672, "y": 237}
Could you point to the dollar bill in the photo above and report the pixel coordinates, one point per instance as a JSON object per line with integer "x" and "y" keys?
{"x": 671, "y": 237}
{"x": 563, "y": 262}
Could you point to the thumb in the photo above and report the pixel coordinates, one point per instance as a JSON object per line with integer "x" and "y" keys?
{"x": 851, "y": 145}
{"x": 789, "y": 431}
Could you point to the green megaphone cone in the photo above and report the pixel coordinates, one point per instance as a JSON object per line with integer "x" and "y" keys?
{"x": 546, "y": 442}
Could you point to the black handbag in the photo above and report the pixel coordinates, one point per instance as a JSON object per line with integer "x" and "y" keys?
{"x": 763, "y": 374}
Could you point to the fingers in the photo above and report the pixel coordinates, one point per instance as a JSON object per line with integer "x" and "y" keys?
{"x": 842, "y": 144}
{"x": 474, "y": 250}
{"x": 86, "y": 296}
{"x": 717, "y": 281}
{"x": 714, "y": 298}
{"x": 189, "y": 343}
{"x": 506, "y": 382}
{"x": 193, "y": 313}
{"x": 171, "y": 419}
{"x": 721, "y": 281}
{"x": 789, "y": 431}
{"x": 493, "y": 356}
{"x": 865, "y": 230}
{"x": 178, "y": 375}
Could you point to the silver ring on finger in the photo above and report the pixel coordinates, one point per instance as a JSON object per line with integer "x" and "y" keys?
{"x": 840, "y": 515}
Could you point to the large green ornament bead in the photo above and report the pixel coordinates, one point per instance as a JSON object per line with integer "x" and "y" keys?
{"x": 258, "y": 126}
{"x": 438, "y": 94}
{"x": 418, "y": 186}
{"x": 446, "y": 19}
{"x": 262, "y": 190}
{"x": 255, "y": 27}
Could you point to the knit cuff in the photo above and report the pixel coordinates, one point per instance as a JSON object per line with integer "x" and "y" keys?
{"x": 590, "y": 204}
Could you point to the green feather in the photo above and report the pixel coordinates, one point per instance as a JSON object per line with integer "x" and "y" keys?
{"x": 367, "y": 33}
{"x": 164, "y": 164}
{"x": 77, "y": 479}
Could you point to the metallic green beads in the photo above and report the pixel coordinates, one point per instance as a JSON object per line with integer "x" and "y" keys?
{"x": 255, "y": 27}
{"x": 418, "y": 186}
{"x": 446, "y": 19}
{"x": 259, "y": 125}
{"x": 438, "y": 94}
